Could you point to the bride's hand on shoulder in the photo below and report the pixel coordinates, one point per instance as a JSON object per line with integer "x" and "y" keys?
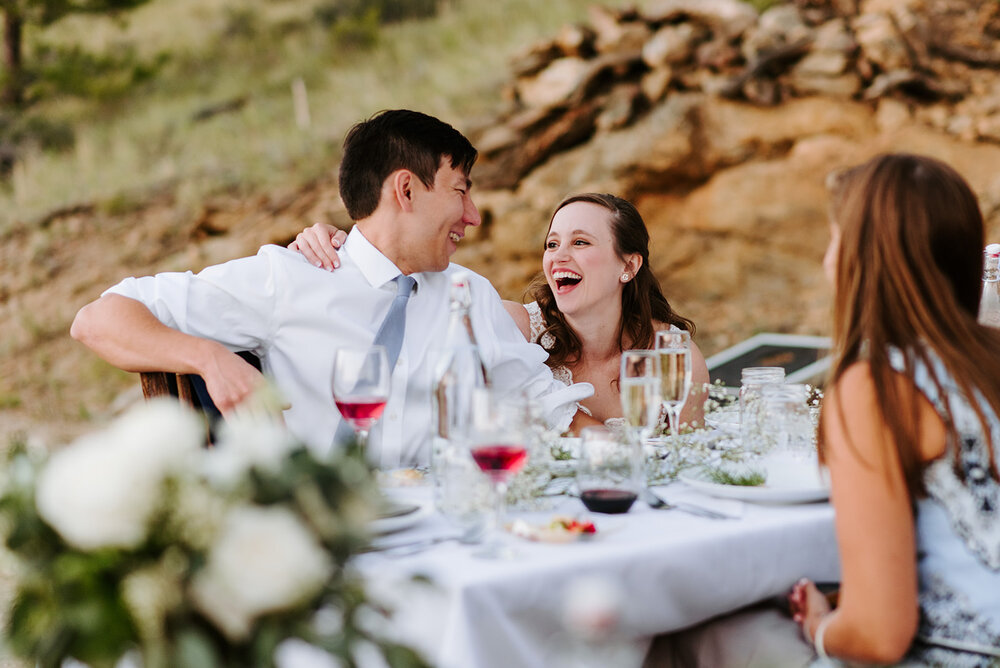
{"x": 319, "y": 244}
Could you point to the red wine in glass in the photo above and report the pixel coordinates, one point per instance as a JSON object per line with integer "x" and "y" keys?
{"x": 500, "y": 461}
{"x": 361, "y": 412}
{"x": 610, "y": 501}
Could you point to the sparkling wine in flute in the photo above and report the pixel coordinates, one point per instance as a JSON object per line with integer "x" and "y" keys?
{"x": 675, "y": 374}
{"x": 641, "y": 402}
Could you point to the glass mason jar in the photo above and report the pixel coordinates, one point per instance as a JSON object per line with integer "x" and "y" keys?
{"x": 788, "y": 419}
{"x": 753, "y": 380}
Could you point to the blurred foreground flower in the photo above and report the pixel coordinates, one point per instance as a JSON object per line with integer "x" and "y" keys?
{"x": 137, "y": 541}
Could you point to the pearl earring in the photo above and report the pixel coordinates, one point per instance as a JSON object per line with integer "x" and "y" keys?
{"x": 625, "y": 277}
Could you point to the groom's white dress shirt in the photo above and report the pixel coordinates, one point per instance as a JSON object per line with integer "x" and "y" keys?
{"x": 295, "y": 315}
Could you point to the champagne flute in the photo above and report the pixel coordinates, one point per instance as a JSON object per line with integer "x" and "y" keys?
{"x": 498, "y": 441}
{"x": 639, "y": 383}
{"x": 361, "y": 387}
{"x": 674, "y": 348}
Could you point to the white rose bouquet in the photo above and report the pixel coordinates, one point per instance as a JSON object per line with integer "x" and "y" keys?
{"x": 139, "y": 541}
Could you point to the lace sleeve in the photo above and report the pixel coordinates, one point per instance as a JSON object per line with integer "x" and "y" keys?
{"x": 537, "y": 324}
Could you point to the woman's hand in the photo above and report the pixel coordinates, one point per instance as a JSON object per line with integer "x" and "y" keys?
{"x": 319, "y": 244}
{"x": 808, "y": 606}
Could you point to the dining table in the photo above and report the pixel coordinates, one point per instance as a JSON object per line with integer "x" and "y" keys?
{"x": 596, "y": 600}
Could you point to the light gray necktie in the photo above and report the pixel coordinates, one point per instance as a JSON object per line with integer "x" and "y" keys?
{"x": 390, "y": 332}
{"x": 390, "y": 335}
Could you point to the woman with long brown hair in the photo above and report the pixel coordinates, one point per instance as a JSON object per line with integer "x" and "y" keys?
{"x": 910, "y": 424}
{"x": 597, "y": 297}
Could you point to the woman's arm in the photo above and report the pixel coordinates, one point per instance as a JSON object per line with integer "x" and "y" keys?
{"x": 520, "y": 316}
{"x": 694, "y": 409}
{"x": 319, "y": 244}
{"x": 877, "y": 616}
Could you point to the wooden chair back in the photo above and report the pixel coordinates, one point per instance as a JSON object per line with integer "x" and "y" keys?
{"x": 182, "y": 386}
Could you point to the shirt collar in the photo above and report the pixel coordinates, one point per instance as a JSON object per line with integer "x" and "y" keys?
{"x": 373, "y": 265}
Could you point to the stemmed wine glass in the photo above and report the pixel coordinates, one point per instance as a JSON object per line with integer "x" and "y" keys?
{"x": 639, "y": 383}
{"x": 674, "y": 349}
{"x": 361, "y": 386}
{"x": 498, "y": 441}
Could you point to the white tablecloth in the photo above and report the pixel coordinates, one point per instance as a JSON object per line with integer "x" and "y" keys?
{"x": 673, "y": 570}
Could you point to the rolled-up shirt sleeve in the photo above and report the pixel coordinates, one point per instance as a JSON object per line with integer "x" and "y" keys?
{"x": 232, "y": 303}
{"x": 513, "y": 363}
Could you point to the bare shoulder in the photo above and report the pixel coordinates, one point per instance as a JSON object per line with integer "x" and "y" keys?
{"x": 520, "y": 316}
{"x": 853, "y": 416}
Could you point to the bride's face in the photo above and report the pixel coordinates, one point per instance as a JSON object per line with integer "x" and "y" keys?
{"x": 580, "y": 262}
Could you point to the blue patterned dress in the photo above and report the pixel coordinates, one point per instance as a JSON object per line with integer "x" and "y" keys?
{"x": 958, "y": 537}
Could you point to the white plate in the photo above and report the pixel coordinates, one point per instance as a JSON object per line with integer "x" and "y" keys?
{"x": 392, "y": 524}
{"x": 808, "y": 490}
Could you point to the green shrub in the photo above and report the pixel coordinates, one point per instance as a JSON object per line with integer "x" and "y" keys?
{"x": 71, "y": 70}
{"x": 386, "y": 11}
{"x": 357, "y": 32}
{"x": 19, "y": 129}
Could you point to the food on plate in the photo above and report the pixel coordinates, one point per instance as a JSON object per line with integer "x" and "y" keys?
{"x": 401, "y": 477}
{"x": 560, "y": 529}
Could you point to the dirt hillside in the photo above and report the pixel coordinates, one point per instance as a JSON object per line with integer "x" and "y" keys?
{"x": 720, "y": 124}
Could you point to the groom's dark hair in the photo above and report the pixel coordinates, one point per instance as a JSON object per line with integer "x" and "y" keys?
{"x": 391, "y": 140}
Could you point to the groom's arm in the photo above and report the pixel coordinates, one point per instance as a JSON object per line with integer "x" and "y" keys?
{"x": 123, "y": 332}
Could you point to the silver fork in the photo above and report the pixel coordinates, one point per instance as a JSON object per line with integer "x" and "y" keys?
{"x": 656, "y": 502}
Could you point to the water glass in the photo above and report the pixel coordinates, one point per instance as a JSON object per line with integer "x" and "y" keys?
{"x": 789, "y": 419}
{"x": 610, "y": 471}
{"x": 462, "y": 493}
{"x": 753, "y": 380}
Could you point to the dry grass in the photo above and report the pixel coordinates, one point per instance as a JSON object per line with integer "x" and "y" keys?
{"x": 220, "y": 50}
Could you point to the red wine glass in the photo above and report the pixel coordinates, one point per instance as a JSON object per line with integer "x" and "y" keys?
{"x": 498, "y": 441}
{"x": 361, "y": 387}
{"x": 609, "y": 474}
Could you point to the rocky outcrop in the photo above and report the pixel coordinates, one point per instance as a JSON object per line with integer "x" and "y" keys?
{"x": 607, "y": 75}
{"x": 722, "y": 125}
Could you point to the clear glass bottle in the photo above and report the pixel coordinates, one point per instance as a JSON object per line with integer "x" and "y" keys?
{"x": 989, "y": 302}
{"x": 752, "y": 381}
{"x": 460, "y": 367}
{"x": 461, "y": 491}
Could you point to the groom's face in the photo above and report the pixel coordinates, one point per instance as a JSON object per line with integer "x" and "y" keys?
{"x": 443, "y": 212}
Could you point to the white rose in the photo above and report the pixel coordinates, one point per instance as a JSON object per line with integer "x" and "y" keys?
{"x": 163, "y": 432}
{"x": 264, "y": 560}
{"x": 247, "y": 440}
{"x": 101, "y": 490}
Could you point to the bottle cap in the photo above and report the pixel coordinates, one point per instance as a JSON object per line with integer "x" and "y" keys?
{"x": 993, "y": 250}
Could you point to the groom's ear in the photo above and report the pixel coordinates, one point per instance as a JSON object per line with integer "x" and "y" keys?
{"x": 402, "y": 188}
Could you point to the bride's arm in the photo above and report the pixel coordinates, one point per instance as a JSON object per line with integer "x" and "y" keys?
{"x": 520, "y": 316}
{"x": 319, "y": 244}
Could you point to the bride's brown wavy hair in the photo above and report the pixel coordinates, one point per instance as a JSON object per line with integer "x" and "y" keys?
{"x": 909, "y": 276}
{"x": 642, "y": 299}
